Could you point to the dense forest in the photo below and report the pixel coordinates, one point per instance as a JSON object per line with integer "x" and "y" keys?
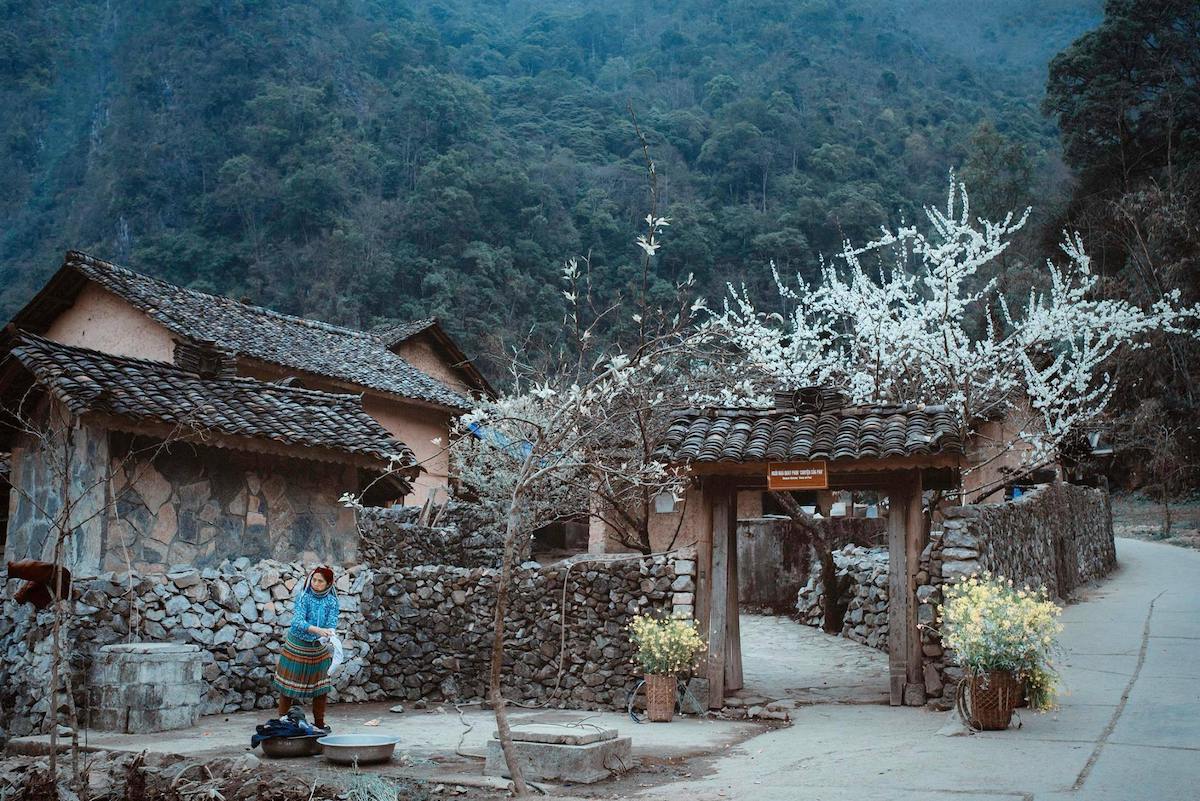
{"x": 364, "y": 161}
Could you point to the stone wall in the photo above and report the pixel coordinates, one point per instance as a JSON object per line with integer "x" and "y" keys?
{"x": 866, "y": 610}
{"x": 434, "y": 627}
{"x": 192, "y": 505}
{"x": 465, "y": 536}
{"x": 235, "y": 613}
{"x": 409, "y": 633}
{"x": 1059, "y": 536}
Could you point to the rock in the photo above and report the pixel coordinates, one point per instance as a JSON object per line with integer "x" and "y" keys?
{"x": 959, "y": 553}
{"x": 955, "y": 570}
{"x": 683, "y": 584}
{"x": 184, "y": 580}
{"x": 397, "y": 709}
{"x": 933, "y": 682}
{"x": 249, "y": 610}
{"x": 225, "y": 636}
{"x": 177, "y": 604}
{"x": 248, "y": 640}
{"x": 685, "y": 567}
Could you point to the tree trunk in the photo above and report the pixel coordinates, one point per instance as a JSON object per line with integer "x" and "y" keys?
{"x": 835, "y": 609}
{"x": 503, "y": 731}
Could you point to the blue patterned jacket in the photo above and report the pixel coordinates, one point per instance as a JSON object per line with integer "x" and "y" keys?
{"x": 314, "y": 610}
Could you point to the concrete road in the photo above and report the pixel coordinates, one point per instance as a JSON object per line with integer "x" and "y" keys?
{"x": 1128, "y": 727}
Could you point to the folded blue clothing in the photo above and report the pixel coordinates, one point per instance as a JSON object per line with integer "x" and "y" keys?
{"x": 282, "y": 728}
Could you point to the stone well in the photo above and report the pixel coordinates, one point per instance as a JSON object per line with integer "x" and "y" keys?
{"x": 146, "y": 687}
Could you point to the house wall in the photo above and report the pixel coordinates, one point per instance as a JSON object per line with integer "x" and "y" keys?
{"x": 201, "y": 505}
{"x": 423, "y": 355}
{"x": 681, "y": 527}
{"x": 36, "y": 499}
{"x": 418, "y": 428}
{"x": 191, "y": 505}
{"x": 101, "y": 321}
{"x": 992, "y": 462}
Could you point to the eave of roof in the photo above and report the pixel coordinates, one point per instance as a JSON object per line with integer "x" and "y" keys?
{"x": 721, "y": 435}
{"x": 253, "y": 332}
{"x": 91, "y": 382}
{"x": 459, "y": 360}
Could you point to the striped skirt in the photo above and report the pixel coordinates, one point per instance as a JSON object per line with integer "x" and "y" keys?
{"x": 303, "y": 670}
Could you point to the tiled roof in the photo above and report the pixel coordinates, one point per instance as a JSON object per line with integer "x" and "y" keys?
{"x": 257, "y": 333}
{"x": 851, "y": 432}
{"x": 401, "y": 332}
{"x": 90, "y": 381}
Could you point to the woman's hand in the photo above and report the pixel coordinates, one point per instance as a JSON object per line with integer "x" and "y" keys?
{"x": 320, "y": 632}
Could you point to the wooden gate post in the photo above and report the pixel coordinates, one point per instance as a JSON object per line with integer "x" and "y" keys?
{"x": 906, "y": 530}
{"x": 724, "y": 524}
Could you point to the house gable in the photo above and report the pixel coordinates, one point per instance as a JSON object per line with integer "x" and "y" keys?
{"x": 101, "y": 321}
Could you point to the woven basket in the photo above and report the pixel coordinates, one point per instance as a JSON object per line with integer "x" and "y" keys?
{"x": 660, "y": 697}
{"x": 990, "y": 698}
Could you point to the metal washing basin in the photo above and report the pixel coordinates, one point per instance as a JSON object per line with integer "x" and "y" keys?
{"x": 358, "y": 749}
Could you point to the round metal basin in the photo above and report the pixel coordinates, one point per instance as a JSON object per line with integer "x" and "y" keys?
{"x": 358, "y": 749}
{"x": 288, "y": 747}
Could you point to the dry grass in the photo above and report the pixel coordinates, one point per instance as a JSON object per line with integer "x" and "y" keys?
{"x": 1139, "y": 517}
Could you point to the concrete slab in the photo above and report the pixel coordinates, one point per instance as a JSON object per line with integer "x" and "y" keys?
{"x": 582, "y": 734}
{"x": 783, "y": 659}
{"x": 563, "y": 764}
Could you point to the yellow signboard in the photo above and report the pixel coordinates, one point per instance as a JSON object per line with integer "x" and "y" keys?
{"x": 797, "y": 476}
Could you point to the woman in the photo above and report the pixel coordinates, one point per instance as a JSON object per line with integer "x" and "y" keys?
{"x": 303, "y": 670}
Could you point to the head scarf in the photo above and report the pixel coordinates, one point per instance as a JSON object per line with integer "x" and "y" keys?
{"x": 325, "y": 573}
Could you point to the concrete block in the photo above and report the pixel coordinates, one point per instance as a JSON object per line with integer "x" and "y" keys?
{"x": 578, "y": 764}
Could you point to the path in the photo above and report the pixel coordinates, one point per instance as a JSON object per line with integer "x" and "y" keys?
{"x": 785, "y": 659}
{"x": 1129, "y": 726}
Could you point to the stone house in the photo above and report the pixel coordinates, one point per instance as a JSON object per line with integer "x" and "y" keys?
{"x": 267, "y": 418}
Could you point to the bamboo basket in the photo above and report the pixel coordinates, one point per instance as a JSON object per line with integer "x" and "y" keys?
{"x": 660, "y": 697}
{"x": 989, "y": 699}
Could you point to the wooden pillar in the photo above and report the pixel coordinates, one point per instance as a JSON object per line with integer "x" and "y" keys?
{"x": 733, "y": 628}
{"x": 906, "y": 528}
{"x": 724, "y": 520}
{"x": 704, "y": 555}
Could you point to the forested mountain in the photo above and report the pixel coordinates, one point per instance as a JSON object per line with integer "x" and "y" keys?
{"x": 365, "y": 160}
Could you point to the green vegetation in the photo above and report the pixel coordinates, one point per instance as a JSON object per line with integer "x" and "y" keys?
{"x": 364, "y": 160}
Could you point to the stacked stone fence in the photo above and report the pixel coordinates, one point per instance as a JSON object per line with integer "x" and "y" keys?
{"x": 866, "y": 595}
{"x": 409, "y": 633}
{"x": 1058, "y": 536}
{"x": 465, "y": 536}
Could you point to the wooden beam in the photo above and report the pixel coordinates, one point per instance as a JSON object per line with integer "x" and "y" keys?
{"x": 724, "y": 513}
{"x": 890, "y": 464}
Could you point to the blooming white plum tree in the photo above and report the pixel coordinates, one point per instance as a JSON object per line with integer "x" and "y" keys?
{"x": 535, "y": 454}
{"x": 915, "y": 317}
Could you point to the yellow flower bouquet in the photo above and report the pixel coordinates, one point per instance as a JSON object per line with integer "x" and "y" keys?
{"x": 992, "y": 625}
{"x": 664, "y": 646}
